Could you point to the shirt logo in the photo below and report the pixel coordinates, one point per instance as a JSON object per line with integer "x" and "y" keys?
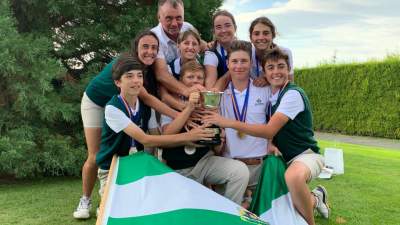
{"x": 259, "y": 102}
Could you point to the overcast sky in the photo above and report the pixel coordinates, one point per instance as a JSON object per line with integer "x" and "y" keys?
{"x": 316, "y": 30}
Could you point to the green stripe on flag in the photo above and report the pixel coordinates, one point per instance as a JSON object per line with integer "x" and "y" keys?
{"x": 190, "y": 217}
{"x": 137, "y": 166}
{"x": 271, "y": 185}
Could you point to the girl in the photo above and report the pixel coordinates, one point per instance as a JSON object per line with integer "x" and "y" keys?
{"x": 224, "y": 29}
{"x": 189, "y": 47}
{"x": 262, "y": 34}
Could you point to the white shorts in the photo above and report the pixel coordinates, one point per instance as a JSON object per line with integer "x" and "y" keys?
{"x": 314, "y": 161}
{"x": 92, "y": 114}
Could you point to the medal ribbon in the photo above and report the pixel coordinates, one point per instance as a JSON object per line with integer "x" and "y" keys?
{"x": 240, "y": 116}
{"x": 131, "y": 116}
{"x": 257, "y": 69}
{"x": 223, "y": 58}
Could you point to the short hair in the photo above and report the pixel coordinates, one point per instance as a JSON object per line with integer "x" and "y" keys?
{"x": 191, "y": 66}
{"x": 174, "y": 3}
{"x": 125, "y": 63}
{"x": 239, "y": 45}
{"x": 263, "y": 20}
{"x": 135, "y": 42}
{"x": 274, "y": 55}
{"x": 192, "y": 31}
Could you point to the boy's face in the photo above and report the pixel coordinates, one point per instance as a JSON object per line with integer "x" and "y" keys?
{"x": 130, "y": 82}
{"x": 189, "y": 48}
{"x": 239, "y": 64}
{"x": 276, "y": 72}
{"x": 191, "y": 78}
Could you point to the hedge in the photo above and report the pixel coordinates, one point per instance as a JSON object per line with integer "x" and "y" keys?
{"x": 355, "y": 99}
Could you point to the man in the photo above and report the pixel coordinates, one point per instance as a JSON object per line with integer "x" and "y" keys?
{"x": 171, "y": 23}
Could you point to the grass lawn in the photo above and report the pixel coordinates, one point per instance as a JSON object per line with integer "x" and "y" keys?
{"x": 368, "y": 192}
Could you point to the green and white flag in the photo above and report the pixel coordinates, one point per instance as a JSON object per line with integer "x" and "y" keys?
{"x": 143, "y": 191}
{"x": 271, "y": 200}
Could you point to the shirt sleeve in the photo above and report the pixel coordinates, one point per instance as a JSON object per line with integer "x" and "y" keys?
{"x": 210, "y": 59}
{"x": 153, "y": 120}
{"x": 291, "y": 104}
{"x": 116, "y": 119}
{"x": 165, "y": 120}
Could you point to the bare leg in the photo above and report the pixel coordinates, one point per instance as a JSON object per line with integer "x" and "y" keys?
{"x": 296, "y": 179}
{"x": 89, "y": 170}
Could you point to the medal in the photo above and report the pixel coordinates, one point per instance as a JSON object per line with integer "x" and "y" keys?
{"x": 190, "y": 150}
{"x": 240, "y": 135}
{"x": 240, "y": 116}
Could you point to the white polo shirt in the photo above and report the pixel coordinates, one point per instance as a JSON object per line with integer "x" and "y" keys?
{"x": 118, "y": 121}
{"x": 211, "y": 59}
{"x": 249, "y": 146}
{"x": 253, "y": 71}
{"x": 168, "y": 48}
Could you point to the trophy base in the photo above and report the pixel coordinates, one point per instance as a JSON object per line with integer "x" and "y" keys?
{"x": 213, "y": 142}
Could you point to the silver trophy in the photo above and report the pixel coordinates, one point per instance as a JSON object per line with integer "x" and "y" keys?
{"x": 211, "y": 100}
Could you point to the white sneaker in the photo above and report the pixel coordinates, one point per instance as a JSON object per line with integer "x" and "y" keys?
{"x": 321, "y": 196}
{"x": 82, "y": 211}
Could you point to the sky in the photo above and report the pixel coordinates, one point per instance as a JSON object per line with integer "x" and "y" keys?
{"x": 319, "y": 31}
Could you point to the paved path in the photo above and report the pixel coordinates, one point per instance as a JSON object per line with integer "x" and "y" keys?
{"x": 369, "y": 141}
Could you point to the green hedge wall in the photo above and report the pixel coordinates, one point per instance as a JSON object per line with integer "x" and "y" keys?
{"x": 355, "y": 99}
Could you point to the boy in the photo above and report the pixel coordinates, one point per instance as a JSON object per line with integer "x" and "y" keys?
{"x": 290, "y": 126}
{"x": 124, "y": 117}
{"x": 247, "y": 103}
{"x": 199, "y": 163}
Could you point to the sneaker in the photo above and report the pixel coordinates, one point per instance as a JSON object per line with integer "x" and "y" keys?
{"x": 321, "y": 195}
{"x": 82, "y": 211}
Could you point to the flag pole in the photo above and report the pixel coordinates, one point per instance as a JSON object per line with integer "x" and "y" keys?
{"x": 100, "y": 217}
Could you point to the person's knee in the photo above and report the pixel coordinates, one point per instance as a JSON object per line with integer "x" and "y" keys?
{"x": 296, "y": 175}
{"x": 240, "y": 171}
{"x": 91, "y": 161}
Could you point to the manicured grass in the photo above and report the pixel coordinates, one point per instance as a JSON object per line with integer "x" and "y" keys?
{"x": 368, "y": 192}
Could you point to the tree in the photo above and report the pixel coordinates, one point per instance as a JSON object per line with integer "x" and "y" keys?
{"x": 38, "y": 125}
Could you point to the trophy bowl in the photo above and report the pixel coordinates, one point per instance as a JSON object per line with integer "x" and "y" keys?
{"x": 211, "y": 100}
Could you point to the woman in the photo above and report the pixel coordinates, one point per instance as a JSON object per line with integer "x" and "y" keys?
{"x": 224, "y": 29}
{"x": 99, "y": 91}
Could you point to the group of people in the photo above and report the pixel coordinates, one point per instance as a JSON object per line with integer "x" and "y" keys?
{"x": 262, "y": 111}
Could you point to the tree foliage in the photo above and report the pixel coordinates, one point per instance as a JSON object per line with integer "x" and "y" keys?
{"x": 37, "y": 123}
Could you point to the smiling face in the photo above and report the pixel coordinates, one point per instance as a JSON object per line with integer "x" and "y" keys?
{"x": 189, "y": 48}
{"x": 261, "y": 36}
{"x": 130, "y": 83}
{"x": 239, "y": 65}
{"x": 147, "y": 49}
{"x": 192, "y": 77}
{"x": 171, "y": 19}
{"x": 224, "y": 29}
{"x": 276, "y": 72}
